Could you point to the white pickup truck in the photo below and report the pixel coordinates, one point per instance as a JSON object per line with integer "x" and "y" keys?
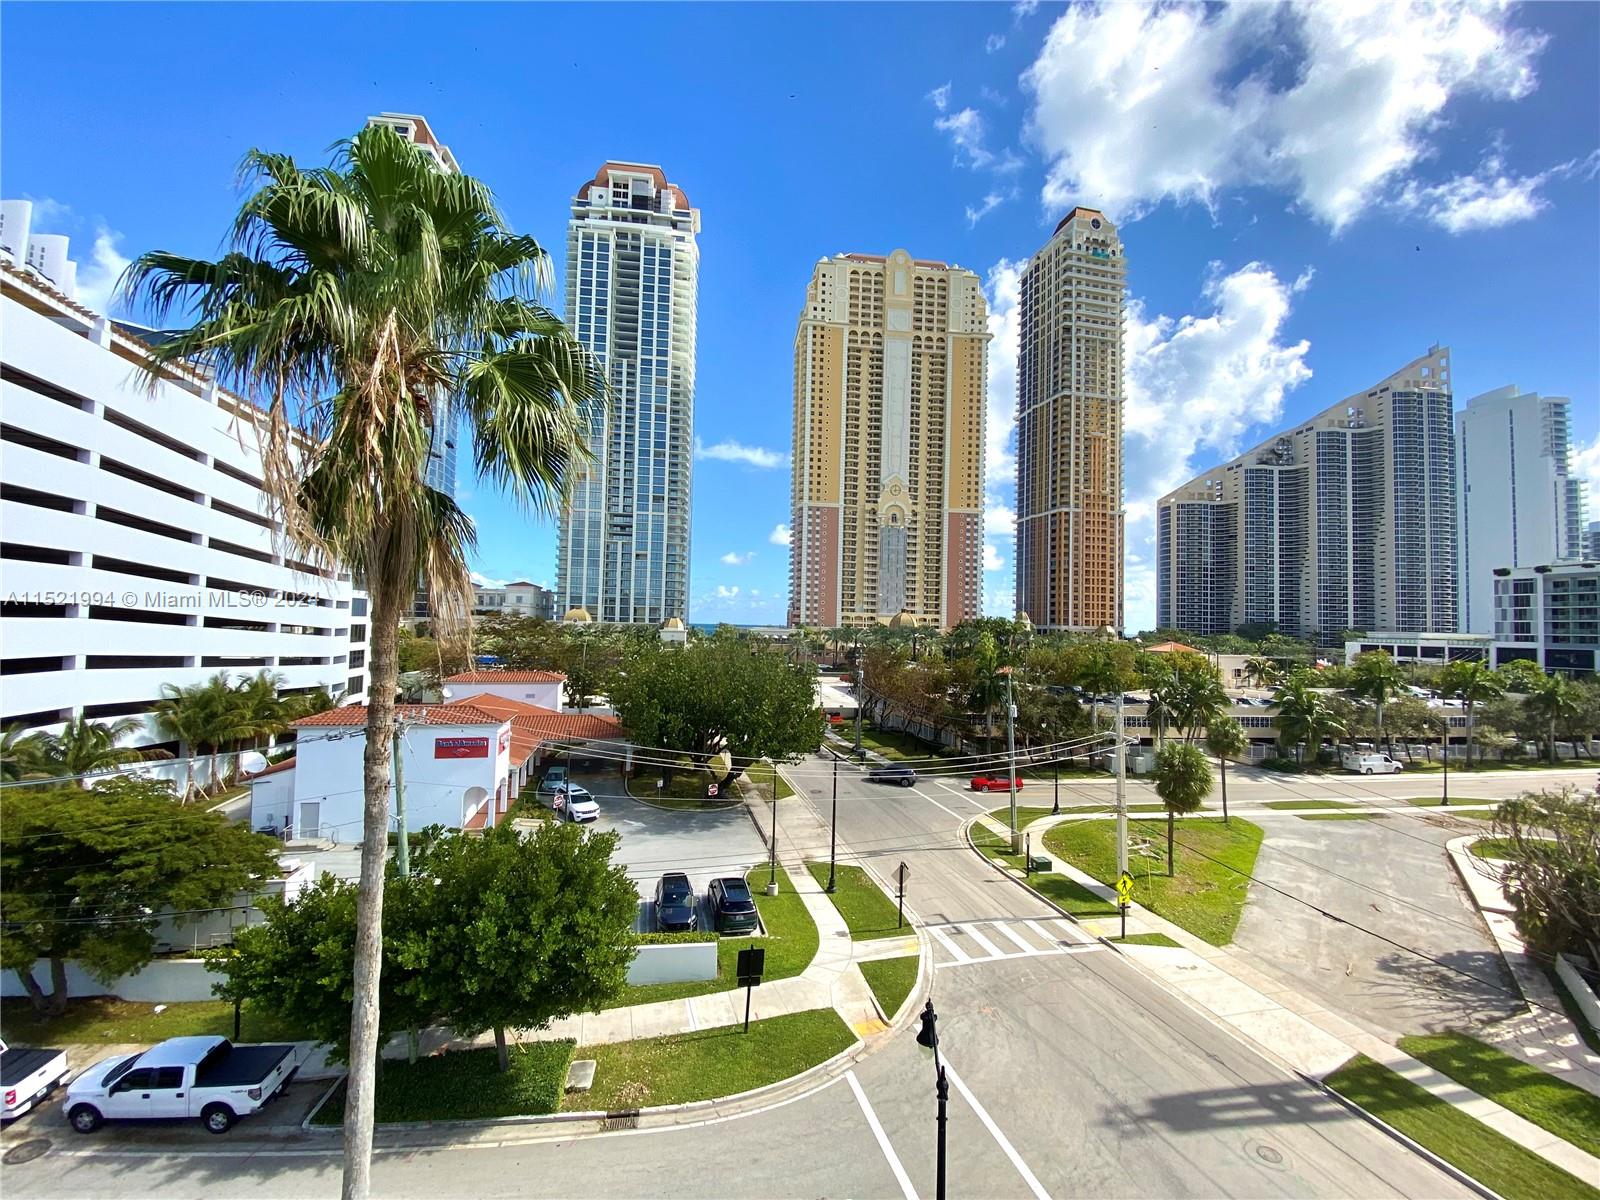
{"x": 204, "y": 1076}
{"x": 28, "y": 1075}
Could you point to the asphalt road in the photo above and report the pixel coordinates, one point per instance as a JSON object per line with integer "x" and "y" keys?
{"x": 1077, "y": 1077}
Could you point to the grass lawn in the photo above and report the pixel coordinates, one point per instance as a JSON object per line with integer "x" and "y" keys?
{"x": 686, "y": 790}
{"x": 1342, "y": 816}
{"x": 710, "y": 1062}
{"x": 1069, "y": 894}
{"x": 103, "y": 1019}
{"x": 891, "y": 981}
{"x": 765, "y": 778}
{"x": 1149, "y": 939}
{"x": 1489, "y": 1157}
{"x": 1281, "y": 804}
{"x": 1565, "y": 1110}
{"x": 862, "y": 903}
{"x": 791, "y": 944}
{"x": 894, "y": 744}
{"x": 1096, "y": 809}
{"x": 1205, "y": 896}
{"x": 466, "y": 1085}
{"x": 1491, "y": 847}
{"x": 1025, "y": 816}
{"x": 1433, "y": 802}
{"x": 1566, "y": 764}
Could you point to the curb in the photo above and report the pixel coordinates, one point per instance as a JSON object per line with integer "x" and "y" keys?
{"x": 1409, "y": 1143}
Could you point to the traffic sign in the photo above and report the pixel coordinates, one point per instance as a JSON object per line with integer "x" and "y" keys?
{"x": 711, "y": 789}
{"x": 1124, "y": 888}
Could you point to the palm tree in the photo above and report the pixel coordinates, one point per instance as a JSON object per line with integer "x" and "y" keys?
{"x": 363, "y": 301}
{"x": 85, "y": 747}
{"x": 1262, "y": 671}
{"x": 1378, "y": 679}
{"x": 20, "y": 753}
{"x": 1303, "y": 714}
{"x": 1553, "y": 699}
{"x": 1197, "y": 697}
{"x": 1472, "y": 683}
{"x": 1226, "y": 739}
{"x": 1183, "y": 781}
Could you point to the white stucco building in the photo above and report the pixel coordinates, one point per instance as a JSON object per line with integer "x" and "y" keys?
{"x": 520, "y": 599}
{"x": 139, "y": 547}
{"x": 531, "y": 687}
{"x": 1520, "y": 504}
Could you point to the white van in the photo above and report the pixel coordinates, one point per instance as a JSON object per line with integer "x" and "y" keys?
{"x": 1371, "y": 764}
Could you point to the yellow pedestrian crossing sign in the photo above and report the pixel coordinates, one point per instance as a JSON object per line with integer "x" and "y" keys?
{"x": 1124, "y": 888}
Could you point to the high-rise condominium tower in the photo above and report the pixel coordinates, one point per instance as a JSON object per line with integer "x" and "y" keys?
{"x": 888, "y": 444}
{"x": 633, "y": 269}
{"x": 1069, "y": 428}
{"x": 1347, "y": 521}
{"x": 1520, "y": 504}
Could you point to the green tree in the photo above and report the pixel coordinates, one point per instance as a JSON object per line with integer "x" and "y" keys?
{"x": 1553, "y": 876}
{"x": 84, "y": 748}
{"x": 1101, "y": 669}
{"x": 1183, "y": 781}
{"x": 1261, "y": 671}
{"x": 90, "y": 882}
{"x": 363, "y": 301}
{"x": 1377, "y": 679}
{"x": 1194, "y": 694}
{"x": 21, "y": 754}
{"x": 1472, "y": 683}
{"x": 1304, "y": 715}
{"x": 1226, "y": 739}
{"x": 520, "y": 931}
{"x": 1520, "y": 675}
{"x": 1554, "y": 699}
{"x": 717, "y": 696}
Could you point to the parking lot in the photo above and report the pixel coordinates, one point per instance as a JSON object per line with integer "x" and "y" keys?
{"x": 703, "y": 845}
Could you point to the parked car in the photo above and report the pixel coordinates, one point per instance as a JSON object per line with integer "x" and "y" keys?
{"x": 993, "y": 783}
{"x": 733, "y": 908}
{"x": 576, "y": 804}
{"x": 199, "y": 1076}
{"x": 676, "y": 904}
{"x": 892, "y": 773}
{"x": 1371, "y": 764}
{"x": 554, "y": 780}
{"x": 28, "y": 1075}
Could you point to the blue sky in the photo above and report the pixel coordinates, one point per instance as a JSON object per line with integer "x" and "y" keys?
{"x": 1309, "y": 195}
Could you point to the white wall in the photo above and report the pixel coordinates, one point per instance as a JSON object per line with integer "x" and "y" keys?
{"x": 546, "y": 695}
{"x": 674, "y": 962}
{"x": 272, "y": 799}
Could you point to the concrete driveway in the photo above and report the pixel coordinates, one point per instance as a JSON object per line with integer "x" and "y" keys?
{"x": 1392, "y": 876}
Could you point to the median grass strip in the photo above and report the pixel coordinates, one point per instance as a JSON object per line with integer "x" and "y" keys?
{"x": 710, "y": 1062}
{"x": 1491, "y": 847}
{"x": 1308, "y": 804}
{"x": 1465, "y": 1142}
{"x": 891, "y": 980}
{"x": 466, "y": 1085}
{"x": 1207, "y": 894}
{"x": 1067, "y": 893}
{"x": 1565, "y": 1110}
{"x": 861, "y": 902}
{"x": 1149, "y": 939}
{"x": 895, "y": 744}
{"x": 791, "y": 944}
{"x": 1342, "y": 816}
{"x": 104, "y": 1019}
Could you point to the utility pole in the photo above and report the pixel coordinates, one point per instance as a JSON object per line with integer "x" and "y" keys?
{"x": 1122, "y": 796}
{"x": 1444, "y": 757}
{"x": 403, "y": 856}
{"x": 833, "y": 824}
{"x": 1011, "y": 759}
{"x": 859, "y": 699}
{"x": 1055, "y": 807}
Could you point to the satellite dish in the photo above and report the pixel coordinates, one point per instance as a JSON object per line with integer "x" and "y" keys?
{"x": 446, "y": 693}
{"x": 251, "y": 762}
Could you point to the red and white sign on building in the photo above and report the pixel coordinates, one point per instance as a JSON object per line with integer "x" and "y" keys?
{"x": 461, "y": 747}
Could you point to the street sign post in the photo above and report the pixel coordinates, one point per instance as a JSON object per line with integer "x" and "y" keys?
{"x": 1027, "y": 854}
{"x": 711, "y": 789}
{"x": 901, "y": 875}
{"x": 752, "y": 962}
{"x": 1124, "y": 898}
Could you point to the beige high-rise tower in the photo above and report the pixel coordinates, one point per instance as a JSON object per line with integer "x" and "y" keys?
{"x": 887, "y": 496}
{"x": 1069, "y": 428}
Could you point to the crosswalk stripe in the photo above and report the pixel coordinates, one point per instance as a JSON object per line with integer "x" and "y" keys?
{"x": 1072, "y": 933}
{"x": 1064, "y": 951}
{"x": 1021, "y": 943}
{"x": 944, "y": 940}
{"x": 972, "y": 932}
{"x": 1045, "y": 935}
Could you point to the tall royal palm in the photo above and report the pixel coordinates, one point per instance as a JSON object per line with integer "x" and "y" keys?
{"x": 1377, "y": 679}
{"x": 361, "y": 301}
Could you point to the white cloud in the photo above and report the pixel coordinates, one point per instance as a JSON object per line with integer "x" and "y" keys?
{"x": 1199, "y": 382}
{"x": 966, "y": 135}
{"x": 1489, "y": 197}
{"x": 1584, "y": 463}
{"x": 1335, "y": 104}
{"x": 993, "y": 42}
{"x": 1023, "y": 9}
{"x": 727, "y": 593}
{"x": 780, "y": 535}
{"x": 1004, "y": 292}
{"x": 731, "y": 451}
{"x": 940, "y": 96}
{"x": 991, "y": 558}
{"x": 484, "y": 581}
{"x": 97, "y": 278}
{"x": 999, "y": 520}
{"x": 734, "y": 559}
{"x": 990, "y": 202}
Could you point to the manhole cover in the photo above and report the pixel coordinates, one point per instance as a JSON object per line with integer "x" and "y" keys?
{"x": 1268, "y": 1155}
{"x": 26, "y": 1152}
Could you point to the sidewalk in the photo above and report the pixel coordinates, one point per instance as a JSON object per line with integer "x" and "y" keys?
{"x": 1294, "y": 1030}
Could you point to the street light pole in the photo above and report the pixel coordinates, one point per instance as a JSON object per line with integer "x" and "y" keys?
{"x": 833, "y": 826}
{"x": 1055, "y": 807}
{"x": 772, "y": 848}
{"x": 929, "y": 1036}
{"x": 858, "y": 701}
{"x": 1011, "y": 759}
{"x": 1122, "y": 797}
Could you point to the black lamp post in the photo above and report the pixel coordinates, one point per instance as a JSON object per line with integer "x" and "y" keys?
{"x": 1055, "y": 808}
{"x": 833, "y": 825}
{"x": 928, "y": 1036}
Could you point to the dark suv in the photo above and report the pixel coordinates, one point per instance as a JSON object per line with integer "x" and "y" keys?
{"x": 676, "y": 904}
{"x": 733, "y": 909}
{"x": 892, "y": 773}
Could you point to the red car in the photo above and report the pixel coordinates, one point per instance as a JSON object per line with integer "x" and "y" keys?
{"x": 993, "y": 783}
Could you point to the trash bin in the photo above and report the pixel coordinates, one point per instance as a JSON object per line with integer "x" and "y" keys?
{"x": 1038, "y": 862}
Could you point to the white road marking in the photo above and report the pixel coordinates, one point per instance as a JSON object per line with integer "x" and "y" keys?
{"x": 900, "y": 1175}
{"x": 944, "y": 940}
{"x": 937, "y": 805}
{"x": 1028, "y": 1176}
{"x": 1021, "y": 943}
{"x": 972, "y": 932}
{"x": 1073, "y": 934}
{"x": 1062, "y": 950}
{"x": 1044, "y": 933}
{"x": 969, "y": 796}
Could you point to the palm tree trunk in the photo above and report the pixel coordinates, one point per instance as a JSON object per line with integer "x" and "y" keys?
{"x": 1222, "y": 765}
{"x": 387, "y": 595}
{"x": 1552, "y": 741}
